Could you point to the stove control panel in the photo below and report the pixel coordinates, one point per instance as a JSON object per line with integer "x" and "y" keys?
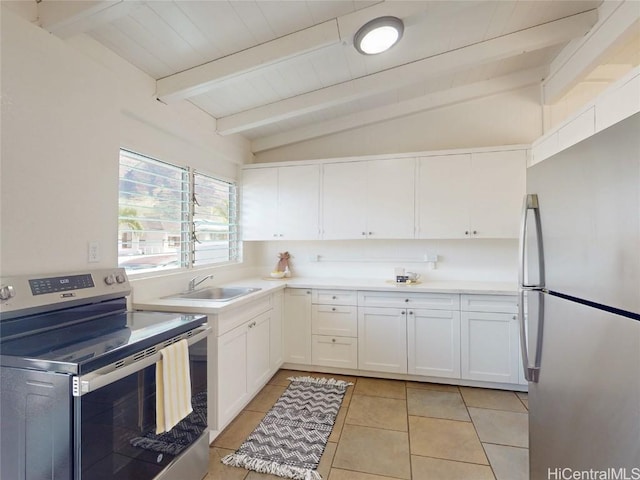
{"x": 25, "y": 293}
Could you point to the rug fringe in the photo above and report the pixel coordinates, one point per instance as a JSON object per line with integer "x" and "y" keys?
{"x": 321, "y": 381}
{"x": 273, "y": 468}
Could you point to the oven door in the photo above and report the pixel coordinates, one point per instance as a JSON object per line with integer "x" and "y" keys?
{"x": 115, "y": 421}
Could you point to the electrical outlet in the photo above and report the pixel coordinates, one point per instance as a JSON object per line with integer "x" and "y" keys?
{"x": 94, "y": 252}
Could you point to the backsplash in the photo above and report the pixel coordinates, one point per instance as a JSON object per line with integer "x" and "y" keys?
{"x": 464, "y": 259}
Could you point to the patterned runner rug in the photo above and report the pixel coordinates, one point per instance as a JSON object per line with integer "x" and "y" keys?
{"x": 292, "y": 436}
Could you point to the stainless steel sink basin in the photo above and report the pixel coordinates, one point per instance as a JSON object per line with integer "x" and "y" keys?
{"x": 216, "y": 294}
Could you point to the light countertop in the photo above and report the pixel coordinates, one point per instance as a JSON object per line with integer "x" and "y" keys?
{"x": 268, "y": 286}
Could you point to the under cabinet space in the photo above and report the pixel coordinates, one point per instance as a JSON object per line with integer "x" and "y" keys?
{"x": 334, "y": 351}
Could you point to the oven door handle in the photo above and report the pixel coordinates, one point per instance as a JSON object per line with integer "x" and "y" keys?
{"x": 83, "y": 384}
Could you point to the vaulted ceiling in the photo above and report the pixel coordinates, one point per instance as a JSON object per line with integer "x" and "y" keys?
{"x": 279, "y": 72}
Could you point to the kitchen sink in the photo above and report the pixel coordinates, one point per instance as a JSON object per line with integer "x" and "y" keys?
{"x": 216, "y": 294}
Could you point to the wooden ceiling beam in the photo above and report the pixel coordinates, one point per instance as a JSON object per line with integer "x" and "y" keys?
{"x": 505, "y": 46}
{"x": 198, "y": 80}
{"x": 430, "y": 101}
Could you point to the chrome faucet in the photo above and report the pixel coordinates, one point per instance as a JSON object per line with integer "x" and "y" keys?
{"x": 195, "y": 281}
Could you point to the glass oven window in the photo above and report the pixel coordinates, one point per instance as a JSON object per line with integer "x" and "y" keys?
{"x": 117, "y": 438}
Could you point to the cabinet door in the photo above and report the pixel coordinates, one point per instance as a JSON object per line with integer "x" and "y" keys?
{"x": 276, "y": 351}
{"x": 489, "y": 347}
{"x": 344, "y": 200}
{"x": 443, "y": 196}
{"x": 258, "y": 346}
{"x": 298, "y": 202}
{"x": 259, "y": 204}
{"x": 434, "y": 343}
{"x": 390, "y": 198}
{"x": 382, "y": 339}
{"x": 497, "y": 190}
{"x": 297, "y": 326}
{"x": 232, "y": 392}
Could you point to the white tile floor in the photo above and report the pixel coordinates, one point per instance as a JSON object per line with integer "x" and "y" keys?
{"x": 389, "y": 429}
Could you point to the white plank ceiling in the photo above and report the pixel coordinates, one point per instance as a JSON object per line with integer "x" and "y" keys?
{"x": 279, "y": 72}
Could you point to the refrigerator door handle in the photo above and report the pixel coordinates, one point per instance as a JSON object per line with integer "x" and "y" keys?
{"x": 530, "y": 371}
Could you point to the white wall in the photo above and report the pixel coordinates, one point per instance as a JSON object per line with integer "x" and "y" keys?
{"x": 67, "y": 108}
{"x": 504, "y": 119}
{"x": 464, "y": 259}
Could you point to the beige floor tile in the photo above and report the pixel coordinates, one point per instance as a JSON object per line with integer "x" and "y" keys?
{"x": 265, "y": 399}
{"x": 373, "y": 450}
{"x": 381, "y": 388}
{"x": 508, "y": 463}
{"x": 218, "y": 471}
{"x": 426, "y": 468}
{"x": 378, "y": 412}
{"x": 236, "y": 433}
{"x": 440, "y": 387}
{"x": 495, "y": 399}
{"x": 339, "y": 423}
{"x": 503, "y": 428}
{"x": 447, "y": 439}
{"x": 522, "y": 395}
{"x": 437, "y": 404}
{"x": 281, "y": 377}
{"x": 338, "y": 474}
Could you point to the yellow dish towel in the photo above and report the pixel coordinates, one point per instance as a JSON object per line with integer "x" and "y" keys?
{"x": 173, "y": 386}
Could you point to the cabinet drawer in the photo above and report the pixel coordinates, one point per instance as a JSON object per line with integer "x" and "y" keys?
{"x": 339, "y": 320}
{"x": 432, "y": 301}
{"x": 334, "y": 297}
{"x": 334, "y": 351}
{"x": 489, "y": 303}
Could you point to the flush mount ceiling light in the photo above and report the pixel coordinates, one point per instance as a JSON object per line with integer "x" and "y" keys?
{"x": 378, "y": 35}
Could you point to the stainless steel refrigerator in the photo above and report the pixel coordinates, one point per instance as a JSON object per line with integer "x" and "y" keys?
{"x": 580, "y": 307}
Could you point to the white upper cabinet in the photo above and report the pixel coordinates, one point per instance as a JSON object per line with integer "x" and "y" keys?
{"x": 368, "y": 199}
{"x": 474, "y": 195}
{"x": 443, "y": 195}
{"x": 498, "y": 185}
{"x": 281, "y": 203}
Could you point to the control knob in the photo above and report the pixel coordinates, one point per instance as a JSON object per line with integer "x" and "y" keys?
{"x": 110, "y": 279}
{"x": 7, "y": 292}
{"x": 120, "y": 278}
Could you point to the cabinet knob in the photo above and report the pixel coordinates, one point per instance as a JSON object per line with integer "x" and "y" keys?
{"x": 403, "y": 312}
{"x": 275, "y": 234}
{"x": 475, "y": 232}
{"x": 333, "y": 309}
{"x": 406, "y": 300}
{"x": 370, "y": 233}
{"x": 514, "y": 317}
{"x": 333, "y": 340}
{"x": 466, "y": 232}
{"x": 334, "y": 297}
{"x": 410, "y": 313}
{"x": 364, "y": 233}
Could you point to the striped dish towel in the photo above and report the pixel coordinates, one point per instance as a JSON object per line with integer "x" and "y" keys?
{"x": 173, "y": 386}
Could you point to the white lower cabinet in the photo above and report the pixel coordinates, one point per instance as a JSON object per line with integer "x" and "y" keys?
{"x": 243, "y": 365}
{"x": 297, "y": 326}
{"x": 489, "y": 338}
{"x": 334, "y": 351}
{"x": 382, "y": 339}
{"x": 433, "y": 343}
{"x": 232, "y": 392}
{"x": 276, "y": 336}
{"x": 334, "y": 328}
